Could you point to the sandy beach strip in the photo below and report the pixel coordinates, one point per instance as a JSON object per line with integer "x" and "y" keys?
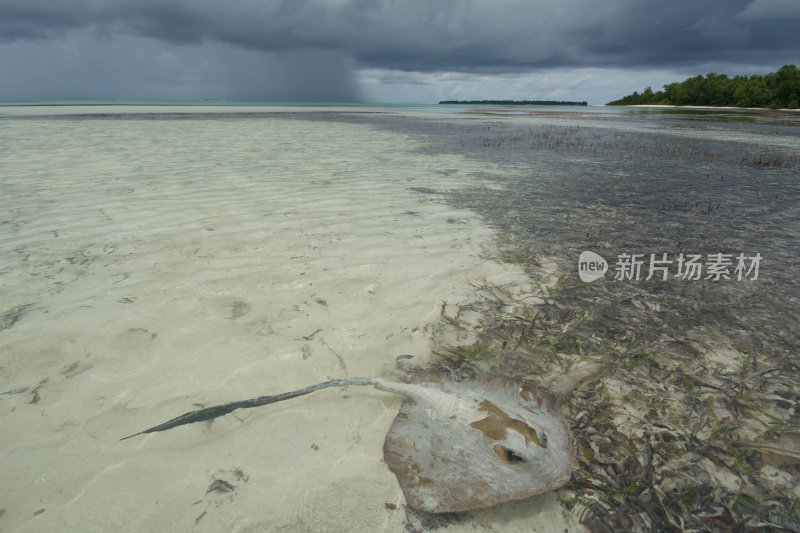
{"x": 150, "y": 266}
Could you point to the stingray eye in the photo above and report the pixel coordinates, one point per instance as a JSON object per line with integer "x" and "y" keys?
{"x": 543, "y": 438}
{"x": 509, "y": 456}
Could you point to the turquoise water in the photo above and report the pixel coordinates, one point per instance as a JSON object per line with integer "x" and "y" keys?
{"x": 180, "y": 103}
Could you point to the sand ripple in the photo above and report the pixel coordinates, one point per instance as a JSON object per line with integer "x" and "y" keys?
{"x": 149, "y": 264}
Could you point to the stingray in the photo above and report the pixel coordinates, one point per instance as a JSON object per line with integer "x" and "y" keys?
{"x": 455, "y": 445}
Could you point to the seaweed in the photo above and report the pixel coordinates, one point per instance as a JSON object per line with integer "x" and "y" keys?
{"x": 698, "y": 398}
{"x": 11, "y": 316}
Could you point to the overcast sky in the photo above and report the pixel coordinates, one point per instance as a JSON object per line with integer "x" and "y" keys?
{"x": 413, "y": 51}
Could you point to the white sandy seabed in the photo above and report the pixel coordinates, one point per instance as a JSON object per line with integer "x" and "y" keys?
{"x": 148, "y": 266}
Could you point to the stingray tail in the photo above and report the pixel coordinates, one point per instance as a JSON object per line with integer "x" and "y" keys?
{"x": 210, "y": 413}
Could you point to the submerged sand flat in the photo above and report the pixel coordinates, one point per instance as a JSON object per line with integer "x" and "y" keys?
{"x": 148, "y": 265}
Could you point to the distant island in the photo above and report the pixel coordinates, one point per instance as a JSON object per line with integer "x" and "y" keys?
{"x": 510, "y": 102}
{"x": 777, "y": 90}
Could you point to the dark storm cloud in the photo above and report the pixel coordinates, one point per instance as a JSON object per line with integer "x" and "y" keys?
{"x": 311, "y": 49}
{"x": 96, "y": 66}
{"x": 445, "y": 34}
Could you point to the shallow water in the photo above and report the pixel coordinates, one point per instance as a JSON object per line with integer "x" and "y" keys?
{"x": 151, "y": 259}
{"x": 696, "y": 369}
{"x": 154, "y": 261}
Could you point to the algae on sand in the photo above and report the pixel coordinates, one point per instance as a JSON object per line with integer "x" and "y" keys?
{"x": 694, "y": 423}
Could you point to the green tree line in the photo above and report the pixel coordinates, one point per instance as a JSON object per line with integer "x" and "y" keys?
{"x": 779, "y": 89}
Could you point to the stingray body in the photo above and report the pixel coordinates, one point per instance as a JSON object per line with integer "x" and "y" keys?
{"x": 456, "y": 445}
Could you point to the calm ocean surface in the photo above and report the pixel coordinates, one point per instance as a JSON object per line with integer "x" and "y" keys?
{"x": 138, "y": 239}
